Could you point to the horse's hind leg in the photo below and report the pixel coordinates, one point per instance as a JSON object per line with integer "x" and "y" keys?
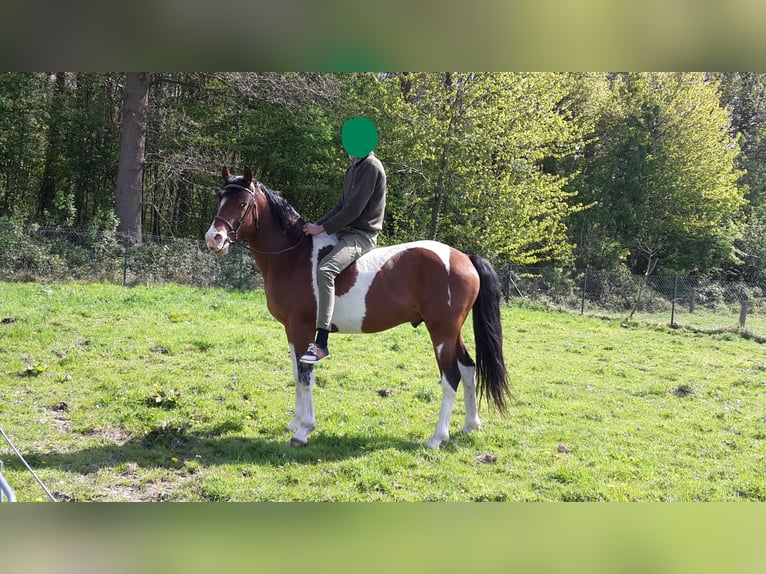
{"x": 441, "y": 435}
{"x": 455, "y": 364}
{"x": 468, "y": 375}
{"x": 447, "y": 360}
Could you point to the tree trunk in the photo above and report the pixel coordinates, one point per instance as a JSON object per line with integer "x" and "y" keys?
{"x": 436, "y": 211}
{"x": 130, "y": 171}
{"x": 651, "y": 263}
{"x": 53, "y": 149}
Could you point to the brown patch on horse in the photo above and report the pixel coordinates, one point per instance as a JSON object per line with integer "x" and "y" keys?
{"x": 425, "y": 273}
{"x": 324, "y": 251}
{"x": 346, "y": 279}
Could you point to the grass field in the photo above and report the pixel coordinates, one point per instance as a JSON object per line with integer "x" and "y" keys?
{"x": 175, "y": 393}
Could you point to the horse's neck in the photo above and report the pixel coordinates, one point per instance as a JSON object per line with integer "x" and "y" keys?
{"x": 273, "y": 249}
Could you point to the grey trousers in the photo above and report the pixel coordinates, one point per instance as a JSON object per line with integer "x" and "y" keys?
{"x": 350, "y": 247}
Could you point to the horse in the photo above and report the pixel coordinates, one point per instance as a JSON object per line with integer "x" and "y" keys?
{"x": 419, "y": 282}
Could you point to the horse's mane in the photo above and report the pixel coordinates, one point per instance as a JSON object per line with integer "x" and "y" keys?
{"x": 283, "y": 213}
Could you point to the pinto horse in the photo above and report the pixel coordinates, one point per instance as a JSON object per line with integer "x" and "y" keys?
{"x": 419, "y": 282}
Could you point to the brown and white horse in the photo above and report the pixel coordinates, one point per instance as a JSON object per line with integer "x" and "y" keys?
{"x": 420, "y": 282}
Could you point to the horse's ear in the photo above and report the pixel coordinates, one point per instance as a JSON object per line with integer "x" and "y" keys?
{"x": 248, "y": 175}
{"x": 226, "y": 174}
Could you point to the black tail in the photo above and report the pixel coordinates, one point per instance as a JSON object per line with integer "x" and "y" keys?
{"x": 492, "y": 376}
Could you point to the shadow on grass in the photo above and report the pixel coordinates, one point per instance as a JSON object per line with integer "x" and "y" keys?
{"x": 211, "y": 450}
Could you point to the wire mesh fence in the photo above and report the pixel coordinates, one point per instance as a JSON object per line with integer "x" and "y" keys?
{"x": 39, "y": 254}
{"x": 692, "y": 302}
{"x": 32, "y": 253}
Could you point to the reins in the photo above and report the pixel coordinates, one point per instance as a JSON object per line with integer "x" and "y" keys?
{"x": 251, "y": 250}
{"x": 231, "y": 236}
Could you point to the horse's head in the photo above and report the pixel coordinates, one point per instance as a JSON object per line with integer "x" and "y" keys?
{"x": 236, "y": 206}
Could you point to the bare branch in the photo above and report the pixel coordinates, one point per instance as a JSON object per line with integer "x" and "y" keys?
{"x": 290, "y": 90}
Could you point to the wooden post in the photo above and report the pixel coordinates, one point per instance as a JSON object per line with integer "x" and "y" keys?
{"x": 742, "y": 314}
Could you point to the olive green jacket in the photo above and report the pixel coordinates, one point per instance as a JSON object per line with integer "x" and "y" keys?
{"x": 363, "y": 203}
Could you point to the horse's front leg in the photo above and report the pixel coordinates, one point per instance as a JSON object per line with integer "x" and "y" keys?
{"x": 304, "y": 421}
{"x": 295, "y": 423}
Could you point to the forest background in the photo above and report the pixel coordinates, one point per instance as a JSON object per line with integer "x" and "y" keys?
{"x": 644, "y": 172}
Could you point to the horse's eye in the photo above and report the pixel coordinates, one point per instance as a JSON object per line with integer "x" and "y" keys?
{"x": 242, "y": 205}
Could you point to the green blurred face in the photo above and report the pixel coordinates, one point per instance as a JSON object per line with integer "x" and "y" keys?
{"x": 359, "y": 137}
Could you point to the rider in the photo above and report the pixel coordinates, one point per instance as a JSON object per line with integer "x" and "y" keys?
{"x": 356, "y": 220}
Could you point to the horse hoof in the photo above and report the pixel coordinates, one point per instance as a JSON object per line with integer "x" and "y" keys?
{"x": 436, "y": 443}
{"x": 297, "y": 443}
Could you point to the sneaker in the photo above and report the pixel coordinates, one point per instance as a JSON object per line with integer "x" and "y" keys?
{"x": 314, "y": 354}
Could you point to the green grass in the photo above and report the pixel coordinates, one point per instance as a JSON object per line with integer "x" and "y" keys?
{"x": 176, "y": 393}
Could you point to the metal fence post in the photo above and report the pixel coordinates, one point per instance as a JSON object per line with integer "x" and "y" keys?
{"x": 584, "y": 290}
{"x": 673, "y": 302}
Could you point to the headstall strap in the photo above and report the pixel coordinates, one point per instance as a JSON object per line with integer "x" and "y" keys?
{"x": 232, "y": 230}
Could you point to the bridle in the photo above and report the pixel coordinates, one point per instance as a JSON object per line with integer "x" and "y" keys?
{"x": 232, "y": 230}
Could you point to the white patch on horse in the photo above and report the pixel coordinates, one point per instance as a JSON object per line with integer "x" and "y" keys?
{"x": 223, "y": 248}
{"x": 350, "y": 309}
{"x": 210, "y": 233}
{"x": 220, "y": 247}
{"x": 295, "y": 423}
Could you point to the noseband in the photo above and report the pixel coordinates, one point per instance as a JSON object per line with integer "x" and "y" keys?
{"x": 232, "y": 230}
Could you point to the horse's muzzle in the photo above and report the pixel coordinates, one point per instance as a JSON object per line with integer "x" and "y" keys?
{"x": 217, "y": 241}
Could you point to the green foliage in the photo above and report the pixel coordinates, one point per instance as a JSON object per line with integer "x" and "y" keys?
{"x": 744, "y": 94}
{"x": 22, "y": 140}
{"x": 29, "y": 253}
{"x": 662, "y": 180}
{"x": 297, "y": 154}
{"x": 34, "y": 369}
{"x": 470, "y": 168}
{"x": 753, "y": 246}
{"x": 22, "y": 257}
{"x": 538, "y": 168}
{"x": 167, "y": 399}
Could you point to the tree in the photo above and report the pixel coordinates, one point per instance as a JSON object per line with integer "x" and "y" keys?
{"x": 661, "y": 176}
{"x": 753, "y": 246}
{"x": 744, "y": 94}
{"x": 130, "y": 171}
{"x": 278, "y": 124}
{"x": 22, "y": 142}
{"x": 51, "y": 170}
{"x": 474, "y": 156}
